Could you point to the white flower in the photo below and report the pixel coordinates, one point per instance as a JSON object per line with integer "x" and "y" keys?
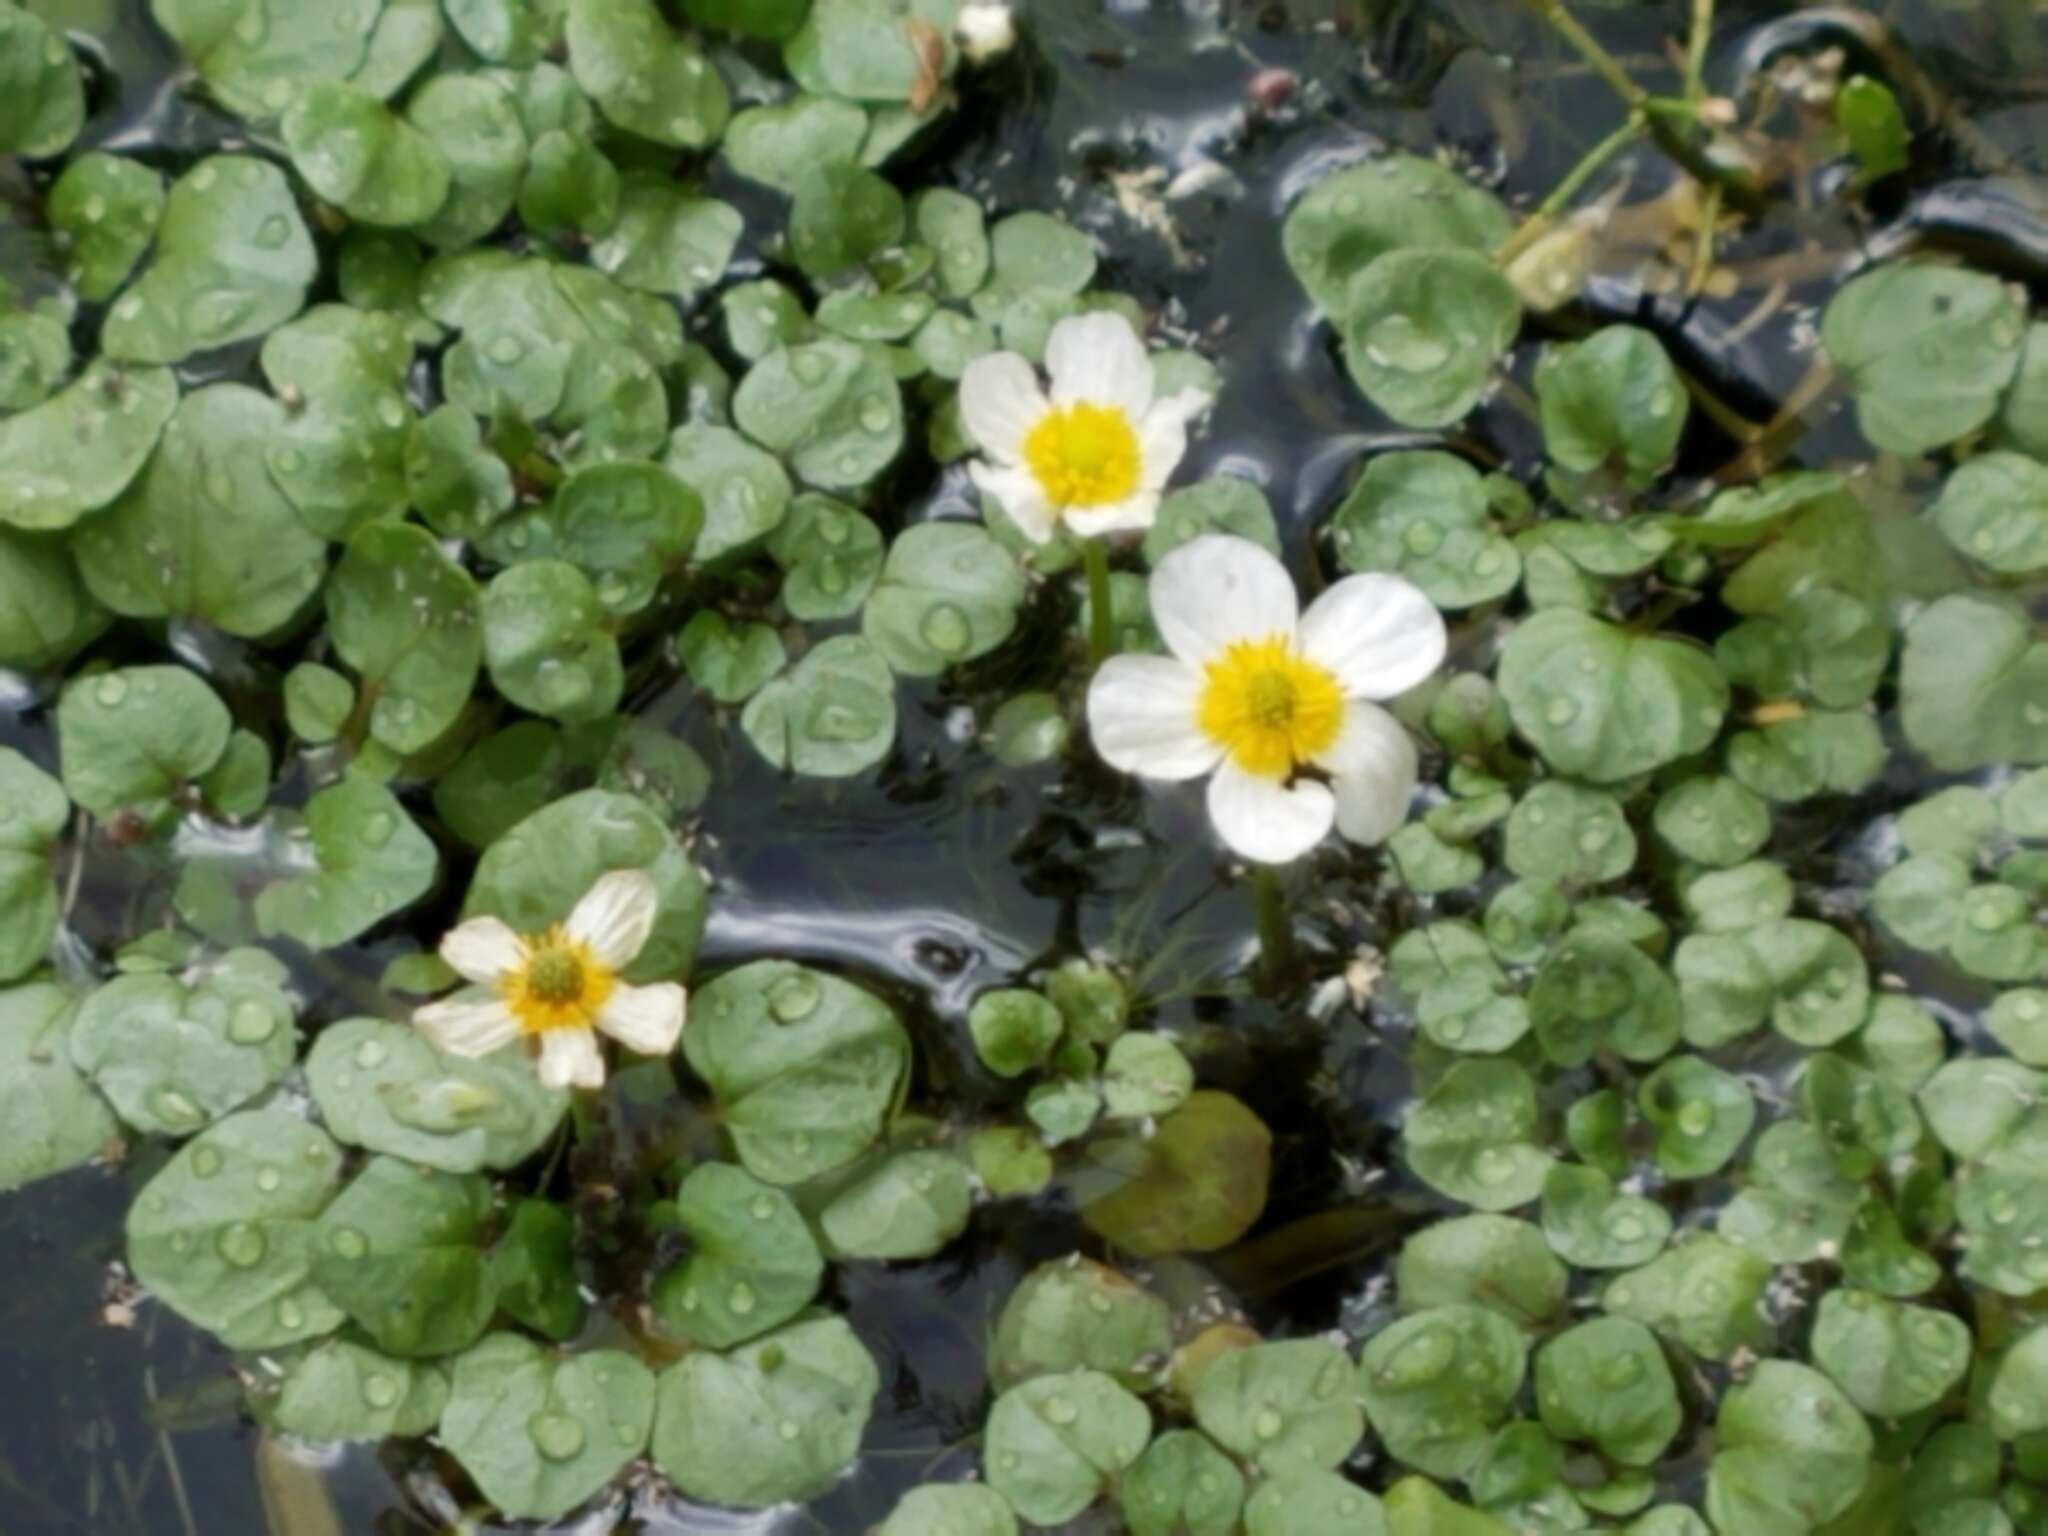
{"x": 1097, "y": 454}
{"x": 985, "y": 30}
{"x": 557, "y": 988}
{"x": 1270, "y": 700}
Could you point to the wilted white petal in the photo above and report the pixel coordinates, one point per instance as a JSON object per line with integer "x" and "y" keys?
{"x": 482, "y": 949}
{"x": 1135, "y": 512}
{"x": 1216, "y": 589}
{"x": 1141, "y": 717}
{"x": 468, "y": 1024}
{"x": 1373, "y": 769}
{"x": 569, "y": 1058}
{"x": 1099, "y": 358}
{"x": 1266, "y": 820}
{"x": 1000, "y": 402}
{"x": 1017, "y": 492}
{"x": 616, "y": 915}
{"x": 645, "y": 1019}
{"x": 1378, "y": 633}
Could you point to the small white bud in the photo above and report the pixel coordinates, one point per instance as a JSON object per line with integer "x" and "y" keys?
{"x": 986, "y": 30}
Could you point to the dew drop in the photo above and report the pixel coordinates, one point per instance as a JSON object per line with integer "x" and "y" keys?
{"x": 379, "y": 1390}
{"x": 111, "y": 690}
{"x": 556, "y": 1436}
{"x": 348, "y": 1243}
{"x": 251, "y": 1023}
{"x": 1059, "y": 1410}
{"x": 945, "y": 628}
{"x": 795, "y": 997}
{"x": 740, "y": 1300}
{"x": 205, "y": 1162}
{"x": 241, "y": 1244}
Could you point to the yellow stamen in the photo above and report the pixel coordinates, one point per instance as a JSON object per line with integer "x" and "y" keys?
{"x": 1268, "y": 707}
{"x": 1083, "y": 455}
{"x": 558, "y": 984}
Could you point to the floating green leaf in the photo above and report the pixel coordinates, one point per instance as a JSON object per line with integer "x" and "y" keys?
{"x": 50, "y": 1120}
{"x": 365, "y": 159}
{"x": 1593, "y": 1227}
{"x": 1438, "y": 1384}
{"x": 1791, "y": 1453}
{"x": 950, "y": 1509}
{"x": 948, "y": 594}
{"x": 1283, "y": 1407}
{"x": 1053, "y": 1444}
{"x": 1701, "y": 1113}
{"x": 232, "y": 260}
{"x": 173, "y": 1054}
{"x": 1602, "y": 704}
{"x": 1701, "y": 1292}
{"x": 1426, "y": 516}
{"x": 752, "y": 1266}
{"x": 1196, "y": 1186}
{"x": 1182, "y": 1486}
{"x": 1612, "y": 398}
{"x": 77, "y": 451}
{"x": 1892, "y": 1359}
{"x": 33, "y": 811}
{"x": 665, "y": 240}
{"x": 1606, "y": 1382}
{"x": 370, "y": 860}
{"x": 804, "y": 1065}
{"x": 1971, "y": 683}
{"x": 1927, "y": 350}
{"x": 42, "y": 94}
{"x": 1995, "y": 510}
{"x": 134, "y": 737}
{"x": 644, "y": 76}
{"x": 1469, "y": 1137}
{"x": 1422, "y": 330}
{"x": 832, "y": 715}
{"x": 224, "y": 1233}
{"x": 831, "y": 408}
{"x": 382, "y": 1086}
{"x": 400, "y": 1251}
{"x": 346, "y": 1391}
{"x": 541, "y": 1432}
{"x": 1075, "y": 1314}
{"x": 1806, "y": 977}
{"x": 744, "y": 490}
{"x": 404, "y": 616}
{"x": 1347, "y": 220}
{"x": 105, "y": 207}
{"x": 548, "y": 644}
{"x": 204, "y": 533}
{"x": 775, "y": 1420}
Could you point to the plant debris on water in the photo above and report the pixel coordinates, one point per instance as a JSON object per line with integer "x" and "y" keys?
{"x": 957, "y": 771}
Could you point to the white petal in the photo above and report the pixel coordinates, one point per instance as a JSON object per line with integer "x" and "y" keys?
{"x": 616, "y": 915}
{"x": 1137, "y": 511}
{"x": 1266, "y": 820}
{"x": 1379, "y": 634}
{"x": 1099, "y": 358}
{"x": 1141, "y": 716}
{"x": 1373, "y": 769}
{"x": 1016, "y": 491}
{"x": 569, "y": 1058}
{"x": 1162, "y": 444}
{"x": 482, "y": 949}
{"x": 1000, "y": 402}
{"x": 469, "y": 1024}
{"x": 645, "y": 1019}
{"x": 1216, "y": 589}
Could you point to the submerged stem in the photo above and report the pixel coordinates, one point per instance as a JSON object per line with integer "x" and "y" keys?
{"x": 1101, "y": 619}
{"x": 1696, "y": 48}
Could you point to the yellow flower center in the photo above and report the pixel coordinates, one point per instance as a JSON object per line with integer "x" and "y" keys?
{"x": 1083, "y": 455}
{"x": 1269, "y": 708}
{"x": 559, "y": 984}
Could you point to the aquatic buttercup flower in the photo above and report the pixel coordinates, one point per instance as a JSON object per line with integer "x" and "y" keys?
{"x": 1271, "y": 701}
{"x": 1095, "y": 454}
{"x": 558, "y": 988}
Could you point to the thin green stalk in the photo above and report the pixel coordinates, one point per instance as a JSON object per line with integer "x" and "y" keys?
{"x": 1545, "y": 213}
{"x": 1696, "y": 49}
{"x": 1276, "y": 931}
{"x": 1101, "y": 617}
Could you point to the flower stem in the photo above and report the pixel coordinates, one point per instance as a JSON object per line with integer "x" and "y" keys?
{"x": 1276, "y": 932}
{"x": 1696, "y": 48}
{"x": 1101, "y": 620}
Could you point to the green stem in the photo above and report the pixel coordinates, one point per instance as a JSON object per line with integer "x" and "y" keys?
{"x": 1696, "y": 48}
{"x": 1276, "y": 932}
{"x": 1101, "y": 617}
{"x": 1545, "y": 213}
{"x": 1671, "y": 122}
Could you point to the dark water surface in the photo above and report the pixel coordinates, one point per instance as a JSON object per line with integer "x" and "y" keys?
{"x": 943, "y": 874}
